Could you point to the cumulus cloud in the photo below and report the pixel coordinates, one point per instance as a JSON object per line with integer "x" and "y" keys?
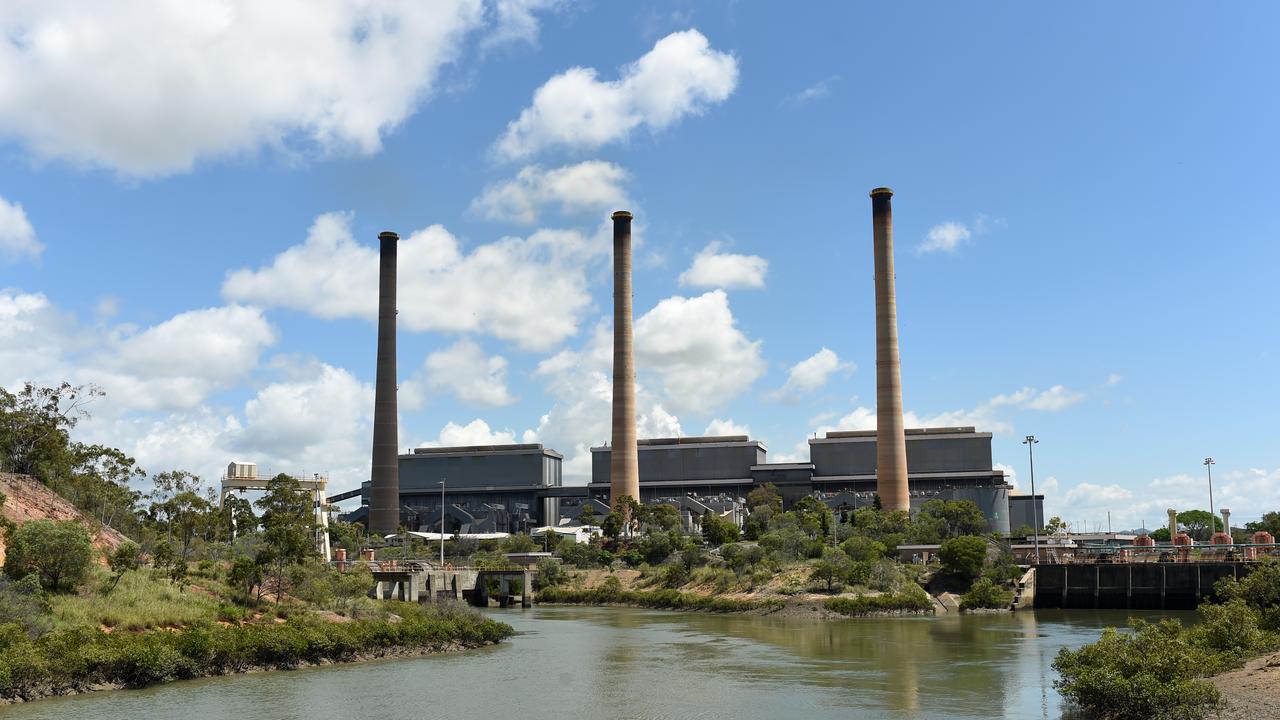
{"x": 148, "y": 87}
{"x": 593, "y": 185}
{"x": 991, "y": 415}
{"x": 476, "y": 432}
{"x": 530, "y": 291}
{"x": 682, "y": 75}
{"x": 810, "y": 374}
{"x": 515, "y": 21}
{"x": 947, "y": 237}
{"x": 714, "y": 269}
{"x": 464, "y": 371}
{"x": 726, "y": 427}
{"x": 690, "y": 358}
{"x": 695, "y": 349}
{"x": 17, "y": 237}
{"x": 174, "y": 364}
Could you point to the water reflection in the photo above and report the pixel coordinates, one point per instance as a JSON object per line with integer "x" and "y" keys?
{"x": 625, "y": 663}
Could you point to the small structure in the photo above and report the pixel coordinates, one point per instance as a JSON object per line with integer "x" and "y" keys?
{"x": 243, "y": 476}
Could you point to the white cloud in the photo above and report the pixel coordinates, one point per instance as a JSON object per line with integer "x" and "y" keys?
{"x": 530, "y": 291}
{"x": 515, "y": 22}
{"x": 726, "y": 427}
{"x": 714, "y": 269}
{"x": 17, "y": 237}
{"x": 177, "y": 363}
{"x": 947, "y": 237}
{"x": 593, "y": 185}
{"x": 989, "y": 415}
{"x": 681, "y": 75}
{"x": 810, "y": 374}
{"x": 694, "y": 347}
{"x": 1114, "y": 379}
{"x": 174, "y": 364}
{"x": 1054, "y": 399}
{"x": 690, "y": 358}
{"x": 476, "y": 432}
{"x": 816, "y": 91}
{"x": 464, "y": 371}
{"x": 149, "y": 87}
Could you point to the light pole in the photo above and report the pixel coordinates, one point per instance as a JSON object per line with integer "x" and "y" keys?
{"x": 1030, "y": 442}
{"x": 442, "y": 523}
{"x": 1213, "y": 519}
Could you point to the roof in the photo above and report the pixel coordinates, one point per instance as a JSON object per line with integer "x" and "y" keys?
{"x": 513, "y": 449}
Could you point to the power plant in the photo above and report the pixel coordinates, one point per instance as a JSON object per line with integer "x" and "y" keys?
{"x": 891, "y": 442}
{"x": 624, "y": 471}
{"x": 384, "y": 478}
{"x": 514, "y": 487}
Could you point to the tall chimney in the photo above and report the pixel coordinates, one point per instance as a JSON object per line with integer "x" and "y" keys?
{"x": 1173, "y": 523}
{"x": 384, "y": 503}
{"x": 624, "y": 470}
{"x": 891, "y": 442}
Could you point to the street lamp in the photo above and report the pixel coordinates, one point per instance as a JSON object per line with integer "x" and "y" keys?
{"x": 442, "y": 523}
{"x": 1213, "y": 519}
{"x": 1030, "y": 441}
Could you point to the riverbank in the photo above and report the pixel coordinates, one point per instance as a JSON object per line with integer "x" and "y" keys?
{"x": 1252, "y": 691}
{"x": 82, "y": 660}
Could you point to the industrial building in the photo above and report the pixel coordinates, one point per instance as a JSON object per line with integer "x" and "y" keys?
{"x": 509, "y": 488}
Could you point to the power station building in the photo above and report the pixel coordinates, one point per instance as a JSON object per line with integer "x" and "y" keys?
{"x": 510, "y": 488}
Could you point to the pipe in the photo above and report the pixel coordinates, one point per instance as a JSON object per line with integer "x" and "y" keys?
{"x": 624, "y": 471}
{"x": 891, "y": 441}
{"x": 384, "y": 491}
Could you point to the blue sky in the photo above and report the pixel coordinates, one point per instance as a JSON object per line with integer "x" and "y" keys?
{"x": 1084, "y": 219}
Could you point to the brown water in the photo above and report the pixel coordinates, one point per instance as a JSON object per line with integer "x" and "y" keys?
{"x": 587, "y": 663}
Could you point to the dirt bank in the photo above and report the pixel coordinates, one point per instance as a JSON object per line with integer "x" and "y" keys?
{"x": 28, "y": 500}
{"x": 1252, "y": 692}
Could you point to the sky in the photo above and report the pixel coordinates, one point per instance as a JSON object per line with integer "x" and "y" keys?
{"x": 1084, "y": 209}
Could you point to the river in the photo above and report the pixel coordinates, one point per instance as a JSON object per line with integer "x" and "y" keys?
{"x": 585, "y": 663}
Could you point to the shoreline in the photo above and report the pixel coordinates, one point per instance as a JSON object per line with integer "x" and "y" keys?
{"x": 391, "y": 652}
{"x": 1251, "y": 691}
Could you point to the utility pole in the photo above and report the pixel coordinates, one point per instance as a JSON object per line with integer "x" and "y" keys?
{"x": 442, "y": 523}
{"x": 1213, "y": 519}
{"x": 1030, "y": 441}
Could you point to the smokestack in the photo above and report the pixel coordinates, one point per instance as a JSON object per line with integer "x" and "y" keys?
{"x": 384, "y": 503}
{"x": 624, "y": 470}
{"x": 891, "y": 441}
{"x": 1173, "y": 523}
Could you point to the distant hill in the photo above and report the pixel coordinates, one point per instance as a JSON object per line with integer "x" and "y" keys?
{"x": 31, "y": 500}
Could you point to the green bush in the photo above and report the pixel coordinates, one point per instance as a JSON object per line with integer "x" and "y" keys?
{"x": 986, "y": 594}
{"x": 912, "y": 600}
{"x": 59, "y": 552}
{"x": 1152, "y": 672}
{"x": 78, "y": 658}
{"x": 963, "y": 556}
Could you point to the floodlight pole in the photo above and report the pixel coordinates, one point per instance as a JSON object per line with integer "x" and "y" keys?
{"x": 1213, "y": 519}
{"x": 1030, "y": 441}
{"x": 442, "y": 523}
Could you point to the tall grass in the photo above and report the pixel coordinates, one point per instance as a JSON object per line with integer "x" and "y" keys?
{"x": 138, "y": 602}
{"x": 909, "y": 601}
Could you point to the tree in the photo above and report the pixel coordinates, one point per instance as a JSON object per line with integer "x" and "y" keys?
{"x": 940, "y": 519}
{"x": 587, "y": 515}
{"x": 814, "y": 516}
{"x": 862, "y": 548}
{"x": 1270, "y": 523}
{"x": 612, "y": 525}
{"x": 1023, "y": 530}
{"x": 1161, "y": 535}
{"x": 765, "y": 496}
{"x": 662, "y": 516}
{"x": 59, "y": 552}
{"x": 35, "y": 425}
{"x": 716, "y": 530}
{"x": 963, "y": 556}
{"x": 1199, "y": 524}
{"x": 1055, "y": 525}
{"x": 288, "y": 532}
{"x": 126, "y": 557}
{"x": 833, "y": 567}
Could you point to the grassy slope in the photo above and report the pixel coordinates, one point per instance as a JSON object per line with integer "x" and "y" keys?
{"x": 139, "y": 602}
